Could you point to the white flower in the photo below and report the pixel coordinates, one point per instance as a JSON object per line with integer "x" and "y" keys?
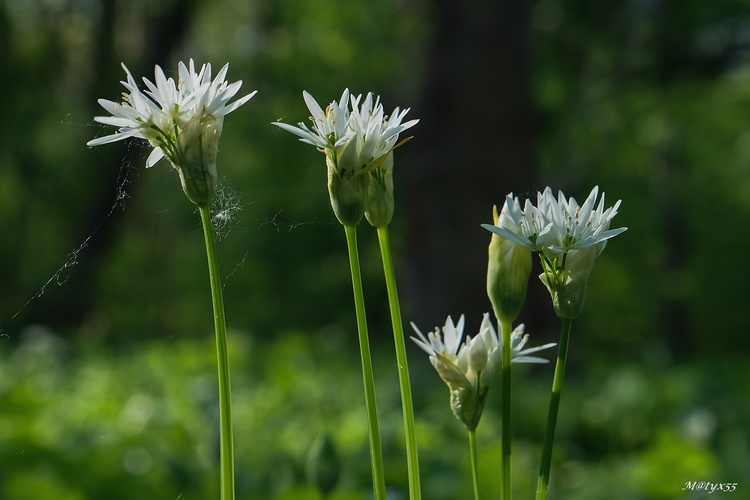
{"x": 577, "y": 227}
{"x": 446, "y": 343}
{"x": 354, "y": 135}
{"x": 468, "y": 368}
{"x": 376, "y": 134}
{"x": 330, "y": 129}
{"x": 556, "y": 225}
{"x": 356, "y": 139}
{"x": 568, "y": 237}
{"x": 159, "y": 113}
{"x": 526, "y": 226}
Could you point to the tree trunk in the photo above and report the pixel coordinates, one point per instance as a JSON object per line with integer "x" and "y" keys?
{"x": 476, "y": 136}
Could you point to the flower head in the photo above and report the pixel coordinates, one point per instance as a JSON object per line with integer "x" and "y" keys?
{"x": 568, "y": 237}
{"x": 557, "y": 225}
{"x": 378, "y": 136}
{"x": 527, "y": 226}
{"x": 469, "y": 368}
{"x": 376, "y": 133}
{"x": 330, "y": 128}
{"x": 357, "y": 139}
{"x": 163, "y": 112}
{"x": 575, "y": 227}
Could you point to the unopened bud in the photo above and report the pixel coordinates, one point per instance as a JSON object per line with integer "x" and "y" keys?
{"x": 477, "y": 354}
{"x": 467, "y": 405}
{"x": 508, "y": 269}
{"x": 466, "y": 400}
{"x": 380, "y": 194}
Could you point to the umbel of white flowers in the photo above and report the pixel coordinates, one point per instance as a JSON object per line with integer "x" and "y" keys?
{"x": 182, "y": 121}
{"x": 469, "y": 368}
{"x": 358, "y": 141}
{"x": 567, "y": 236}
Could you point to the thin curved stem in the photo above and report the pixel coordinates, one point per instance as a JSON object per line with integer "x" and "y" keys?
{"x": 474, "y": 462}
{"x": 554, "y": 405}
{"x": 505, "y": 326}
{"x": 226, "y": 446}
{"x": 376, "y": 453}
{"x": 412, "y": 459}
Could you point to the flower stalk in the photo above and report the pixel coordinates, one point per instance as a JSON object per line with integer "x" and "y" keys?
{"x": 376, "y": 453}
{"x": 474, "y": 462}
{"x": 505, "y": 432}
{"x": 568, "y": 237}
{"x": 226, "y": 446}
{"x": 182, "y": 121}
{"x": 412, "y": 459}
{"x": 554, "y": 406}
{"x": 357, "y": 139}
{"x": 508, "y": 268}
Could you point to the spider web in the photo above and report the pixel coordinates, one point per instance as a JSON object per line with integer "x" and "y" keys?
{"x": 61, "y": 275}
{"x": 225, "y": 210}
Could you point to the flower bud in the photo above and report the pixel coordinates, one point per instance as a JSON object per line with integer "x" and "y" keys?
{"x": 380, "y": 194}
{"x": 508, "y": 269}
{"x": 478, "y": 355}
{"x": 467, "y": 406}
{"x": 323, "y": 465}
{"x": 568, "y": 287}
{"x": 196, "y": 149}
{"x": 488, "y": 374}
{"x": 466, "y": 398}
{"x": 348, "y": 193}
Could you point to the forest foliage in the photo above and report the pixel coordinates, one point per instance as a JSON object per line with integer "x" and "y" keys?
{"x": 105, "y": 319}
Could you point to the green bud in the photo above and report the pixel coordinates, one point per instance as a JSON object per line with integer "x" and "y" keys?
{"x": 380, "y": 194}
{"x": 508, "y": 269}
{"x": 348, "y": 193}
{"x": 466, "y": 399}
{"x": 323, "y": 465}
{"x": 467, "y": 406}
{"x": 195, "y": 153}
{"x": 568, "y": 287}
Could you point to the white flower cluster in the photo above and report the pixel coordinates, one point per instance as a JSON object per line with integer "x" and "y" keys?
{"x": 556, "y": 226}
{"x": 568, "y": 237}
{"x": 357, "y": 136}
{"x": 469, "y": 367}
{"x": 161, "y": 112}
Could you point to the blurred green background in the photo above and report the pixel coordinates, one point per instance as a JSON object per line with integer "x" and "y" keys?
{"x": 107, "y": 375}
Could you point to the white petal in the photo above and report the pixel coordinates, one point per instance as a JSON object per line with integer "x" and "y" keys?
{"x": 112, "y": 138}
{"x": 239, "y": 102}
{"x": 116, "y": 121}
{"x": 313, "y": 106}
{"x": 156, "y": 155}
{"x": 529, "y": 359}
{"x": 537, "y": 349}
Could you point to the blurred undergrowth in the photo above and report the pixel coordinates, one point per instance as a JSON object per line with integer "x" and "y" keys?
{"x": 79, "y": 423}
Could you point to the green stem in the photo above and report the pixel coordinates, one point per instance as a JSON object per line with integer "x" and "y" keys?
{"x": 474, "y": 462}
{"x": 376, "y": 454}
{"x": 412, "y": 460}
{"x": 226, "y": 447}
{"x": 505, "y": 326}
{"x": 554, "y": 405}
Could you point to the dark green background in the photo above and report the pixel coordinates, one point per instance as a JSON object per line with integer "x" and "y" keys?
{"x": 107, "y": 378}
